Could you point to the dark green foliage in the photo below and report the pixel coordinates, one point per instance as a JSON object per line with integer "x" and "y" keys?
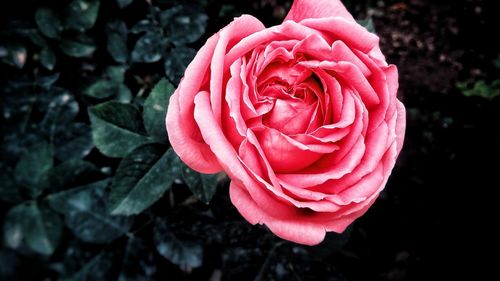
{"x": 203, "y": 186}
{"x": 110, "y": 85}
{"x": 117, "y": 47}
{"x": 47, "y": 58}
{"x": 155, "y": 110}
{"x": 184, "y": 24}
{"x": 149, "y": 48}
{"x": 78, "y": 47}
{"x": 184, "y": 253}
{"x": 116, "y": 128}
{"x": 71, "y": 173}
{"x": 116, "y": 44}
{"x": 99, "y": 267}
{"x": 368, "y": 24}
{"x": 138, "y": 261}
{"x": 85, "y": 213}
{"x": 33, "y": 166}
{"x": 52, "y": 119}
{"x": 142, "y": 178}
{"x": 9, "y": 191}
{"x": 176, "y": 62}
{"x": 34, "y": 226}
{"x": 48, "y": 22}
{"x": 480, "y": 89}
{"x": 73, "y": 142}
{"x": 81, "y": 14}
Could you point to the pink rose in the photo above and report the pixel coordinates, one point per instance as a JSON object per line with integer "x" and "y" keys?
{"x": 303, "y": 117}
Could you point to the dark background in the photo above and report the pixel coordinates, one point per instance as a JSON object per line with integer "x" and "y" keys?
{"x": 437, "y": 217}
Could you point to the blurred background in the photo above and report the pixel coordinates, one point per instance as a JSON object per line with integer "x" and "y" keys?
{"x": 436, "y": 219}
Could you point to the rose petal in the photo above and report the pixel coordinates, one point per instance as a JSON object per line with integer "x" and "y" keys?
{"x": 375, "y": 149}
{"x": 230, "y": 161}
{"x": 238, "y": 29}
{"x": 289, "y": 117}
{"x": 195, "y": 154}
{"x": 233, "y": 95}
{"x": 282, "y": 152}
{"x": 351, "y": 33}
{"x": 314, "y": 46}
{"x": 254, "y": 160}
{"x": 354, "y": 79}
{"x": 292, "y": 229}
{"x": 340, "y": 223}
{"x": 306, "y": 9}
{"x": 337, "y": 164}
{"x": 385, "y": 82}
{"x": 194, "y": 76}
{"x": 400, "y": 125}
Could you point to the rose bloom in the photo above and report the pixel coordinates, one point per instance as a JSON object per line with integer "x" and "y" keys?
{"x": 303, "y": 117}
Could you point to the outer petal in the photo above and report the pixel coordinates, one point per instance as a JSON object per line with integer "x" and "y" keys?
{"x": 195, "y": 154}
{"x": 237, "y": 30}
{"x": 183, "y": 134}
{"x": 400, "y": 125}
{"x": 306, "y": 9}
{"x": 299, "y": 231}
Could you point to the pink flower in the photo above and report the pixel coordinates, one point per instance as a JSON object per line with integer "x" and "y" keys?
{"x": 303, "y": 117}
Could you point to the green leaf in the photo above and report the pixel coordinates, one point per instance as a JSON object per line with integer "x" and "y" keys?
{"x": 73, "y": 257}
{"x": 144, "y": 26}
{"x": 138, "y": 261}
{"x": 184, "y": 24}
{"x": 81, "y": 14}
{"x": 47, "y": 58}
{"x": 8, "y": 187}
{"x": 149, "y": 48}
{"x": 61, "y": 110}
{"x": 111, "y": 85}
{"x": 72, "y": 173}
{"x": 85, "y": 213}
{"x": 115, "y": 73}
{"x": 48, "y": 22}
{"x": 176, "y": 62}
{"x": 480, "y": 89}
{"x": 35, "y": 37}
{"x": 73, "y": 142}
{"x": 102, "y": 89}
{"x": 186, "y": 254}
{"x": 155, "y": 110}
{"x": 124, "y": 3}
{"x": 33, "y": 166}
{"x": 368, "y": 24}
{"x": 47, "y": 81}
{"x": 99, "y": 267}
{"x": 123, "y": 94}
{"x": 116, "y": 128}
{"x": 79, "y": 47}
{"x": 36, "y": 226}
{"x": 117, "y": 47}
{"x": 203, "y": 186}
{"x": 142, "y": 178}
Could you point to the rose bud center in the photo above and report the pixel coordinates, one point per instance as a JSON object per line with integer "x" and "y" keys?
{"x": 293, "y": 92}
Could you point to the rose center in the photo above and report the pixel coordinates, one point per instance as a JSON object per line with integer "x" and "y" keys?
{"x": 295, "y": 93}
